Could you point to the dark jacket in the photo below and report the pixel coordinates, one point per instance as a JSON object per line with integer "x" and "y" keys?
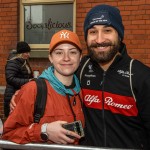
{"x": 113, "y": 117}
{"x": 16, "y": 74}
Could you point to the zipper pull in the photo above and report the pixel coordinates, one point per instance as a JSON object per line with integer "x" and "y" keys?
{"x": 104, "y": 74}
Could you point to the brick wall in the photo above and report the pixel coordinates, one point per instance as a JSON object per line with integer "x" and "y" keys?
{"x": 8, "y": 36}
{"x": 136, "y": 18}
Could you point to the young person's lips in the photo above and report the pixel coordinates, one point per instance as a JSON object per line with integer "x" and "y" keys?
{"x": 66, "y": 64}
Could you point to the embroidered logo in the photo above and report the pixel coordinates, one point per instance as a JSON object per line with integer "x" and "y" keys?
{"x": 99, "y": 18}
{"x": 91, "y": 99}
{"x": 102, "y": 16}
{"x": 108, "y": 101}
{"x": 119, "y": 104}
{"x": 88, "y": 82}
{"x": 90, "y": 75}
{"x": 90, "y": 68}
{"x": 64, "y": 35}
{"x": 124, "y": 73}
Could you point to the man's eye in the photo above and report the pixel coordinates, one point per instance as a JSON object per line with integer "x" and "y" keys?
{"x": 108, "y": 30}
{"x": 92, "y": 32}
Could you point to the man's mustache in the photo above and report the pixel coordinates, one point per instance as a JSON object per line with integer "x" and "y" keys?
{"x": 95, "y": 45}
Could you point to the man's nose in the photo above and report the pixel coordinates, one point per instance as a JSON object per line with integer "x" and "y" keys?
{"x": 100, "y": 37}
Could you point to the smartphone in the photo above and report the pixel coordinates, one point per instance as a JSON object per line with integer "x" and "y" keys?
{"x": 76, "y": 127}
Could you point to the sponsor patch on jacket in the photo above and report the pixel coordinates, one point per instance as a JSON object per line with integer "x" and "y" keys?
{"x": 118, "y": 104}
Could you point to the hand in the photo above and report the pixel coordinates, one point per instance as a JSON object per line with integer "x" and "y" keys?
{"x": 58, "y": 134}
{"x": 12, "y": 101}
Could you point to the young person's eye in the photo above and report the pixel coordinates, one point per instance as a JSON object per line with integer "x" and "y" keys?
{"x": 73, "y": 52}
{"x": 57, "y": 52}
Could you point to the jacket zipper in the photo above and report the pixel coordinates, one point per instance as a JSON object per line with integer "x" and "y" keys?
{"x": 103, "y": 111}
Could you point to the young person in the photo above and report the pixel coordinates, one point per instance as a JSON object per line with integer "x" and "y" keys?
{"x": 17, "y": 72}
{"x": 64, "y": 99}
{"x": 116, "y": 90}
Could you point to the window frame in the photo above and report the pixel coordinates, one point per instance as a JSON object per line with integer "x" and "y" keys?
{"x": 39, "y": 50}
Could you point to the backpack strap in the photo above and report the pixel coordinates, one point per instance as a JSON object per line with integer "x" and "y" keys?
{"x": 130, "y": 73}
{"x": 41, "y": 97}
{"x": 81, "y": 72}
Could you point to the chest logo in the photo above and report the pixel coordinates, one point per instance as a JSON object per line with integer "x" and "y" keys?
{"x": 88, "y": 82}
{"x": 91, "y": 99}
{"x": 90, "y": 68}
{"x": 124, "y": 73}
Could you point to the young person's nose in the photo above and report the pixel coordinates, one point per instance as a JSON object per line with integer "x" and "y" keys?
{"x": 66, "y": 56}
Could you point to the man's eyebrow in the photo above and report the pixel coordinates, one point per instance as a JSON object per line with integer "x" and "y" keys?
{"x": 105, "y": 26}
{"x": 108, "y": 26}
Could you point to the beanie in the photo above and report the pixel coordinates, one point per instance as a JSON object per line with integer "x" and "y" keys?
{"x": 104, "y": 15}
{"x": 23, "y": 47}
{"x": 64, "y": 36}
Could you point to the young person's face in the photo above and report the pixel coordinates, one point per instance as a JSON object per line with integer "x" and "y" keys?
{"x": 25, "y": 55}
{"x": 103, "y": 43}
{"x": 65, "y": 59}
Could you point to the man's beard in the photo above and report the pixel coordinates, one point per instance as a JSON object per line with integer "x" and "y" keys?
{"x": 104, "y": 56}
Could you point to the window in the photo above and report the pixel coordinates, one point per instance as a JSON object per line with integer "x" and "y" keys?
{"x": 40, "y": 19}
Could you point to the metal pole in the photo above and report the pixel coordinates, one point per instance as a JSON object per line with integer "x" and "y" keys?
{"x": 44, "y": 146}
